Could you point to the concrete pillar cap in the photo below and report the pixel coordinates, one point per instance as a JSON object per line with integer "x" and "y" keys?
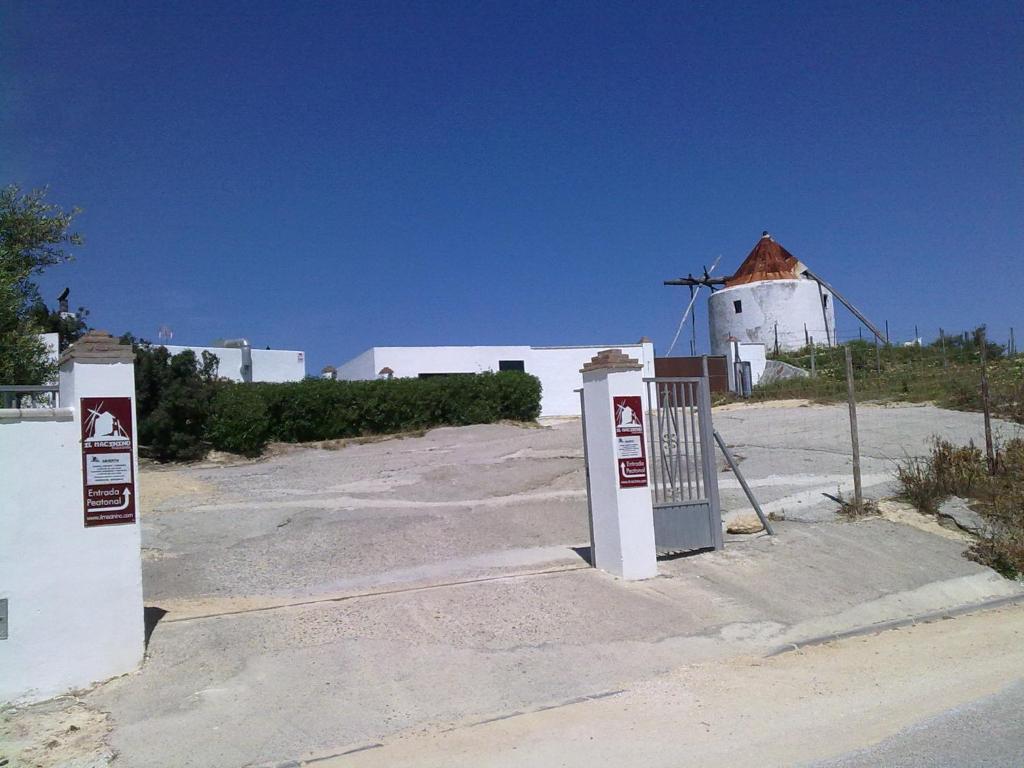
{"x": 98, "y": 347}
{"x": 611, "y": 360}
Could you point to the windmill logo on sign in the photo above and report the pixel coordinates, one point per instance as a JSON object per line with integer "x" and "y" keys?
{"x": 626, "y": 419}
{"x": 104, "y": 428}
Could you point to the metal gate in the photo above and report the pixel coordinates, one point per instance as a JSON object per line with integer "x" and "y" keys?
{"x": 681, "y": 465}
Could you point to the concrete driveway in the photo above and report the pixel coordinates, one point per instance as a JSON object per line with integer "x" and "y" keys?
{"x": 324, "y": 600}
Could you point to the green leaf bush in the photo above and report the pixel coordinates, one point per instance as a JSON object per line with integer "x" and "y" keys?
{"x": 245, "y": 417}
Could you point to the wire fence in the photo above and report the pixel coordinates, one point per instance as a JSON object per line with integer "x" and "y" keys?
{"x": 948, "y": 370}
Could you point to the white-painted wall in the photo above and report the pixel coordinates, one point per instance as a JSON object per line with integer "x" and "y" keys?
{"x": 359, "y": 368}
{"x": 267, "y": 364}
{"x": 790, "y": 304}
{"x": 558, "y": 368}
{"x": 75, "y": 610}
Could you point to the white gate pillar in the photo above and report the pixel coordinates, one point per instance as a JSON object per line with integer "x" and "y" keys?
{"x": 71, "y": 568}
{"x": 620, "y": 499}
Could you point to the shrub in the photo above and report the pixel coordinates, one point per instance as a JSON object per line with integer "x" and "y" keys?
{"x": 247, "y": 416}
{"x": 998, "y": 496}
{"x": 173, "y": 402}
{"x": 239, "y": 422}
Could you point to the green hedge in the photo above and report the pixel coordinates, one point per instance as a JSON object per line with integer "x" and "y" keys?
{"x": 244, "y": 417}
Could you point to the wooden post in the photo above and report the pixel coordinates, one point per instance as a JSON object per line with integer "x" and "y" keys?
{"x": 1013, "y": 344}
{"x": 813, "y": 372}
{"x": 990, "y": 453}
{"x": 776, "y": 339}
{"x": 807, "y": 339}
{"x": 942, "y": 341}
{"x": 878, "y": 358}
{"x": 886, "y": 333}
{"x": 693, "y": 329}
{"x": 854, "y": 437}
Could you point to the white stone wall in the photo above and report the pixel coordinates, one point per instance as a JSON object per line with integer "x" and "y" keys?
{"x": 359, "y": 368}
{"x": 75, "y": 610}
{"x": 558, "y": 368}
{"x": 267, "y": 364}
{"x": 791, "y": 304}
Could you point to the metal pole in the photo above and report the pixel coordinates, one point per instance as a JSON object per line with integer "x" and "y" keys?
{"x": 813, "y": 371}
{"x": 708, "y": 460}
{"x": 824, "y": 313}
{"x": 1013, "y": 345}
{"x": 776, "y": 339}
{"x": 807, "y": 339}
{"x": 857, "y": 313}
{"x": 990, "y": 453}
{"x": 586, "y": 472}
{"x": 743, "y": 484}
{"x": 878, "y": 358}
{"x": 854, "y": 437}
{"x": 886, "y": 333}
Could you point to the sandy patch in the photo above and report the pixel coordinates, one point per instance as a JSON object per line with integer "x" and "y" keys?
{"x": 160, "y": 485}
{"x": 907, "y": 514}
{"x": 62, "y": 732}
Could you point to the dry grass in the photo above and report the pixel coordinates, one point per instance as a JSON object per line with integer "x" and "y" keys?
{"x": 998, "y": 496}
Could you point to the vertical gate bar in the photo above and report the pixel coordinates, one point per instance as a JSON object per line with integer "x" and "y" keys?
{"x": 680, "y": 466}
{"x": 696, "y": 439}
{"x": 673, "y": 452}
{"x": 710, "y": 477}
{"x": 673, "y": 425}
{"x": 586, "y": 473}
{"x": 651, "y": 426}
{"x": 684, "y": 442}
{"x": 679, "y": 444}
{"x": 663, "y": 429}
{"x": 650, "y": 445}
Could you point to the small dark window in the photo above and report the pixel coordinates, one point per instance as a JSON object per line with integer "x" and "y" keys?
{"x": 824, "y": 300}
{"x": 511, "y": 365}
{"x": 738, "y": 306}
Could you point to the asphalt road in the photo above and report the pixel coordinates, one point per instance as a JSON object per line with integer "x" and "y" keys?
{"x": 988, "y": 733}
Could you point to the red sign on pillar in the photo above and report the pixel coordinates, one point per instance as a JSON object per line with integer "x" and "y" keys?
{"x": 108, "y": 465}
{"x": 629, "y": 441}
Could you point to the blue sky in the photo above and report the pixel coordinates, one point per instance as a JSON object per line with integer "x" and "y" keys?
{"x": 331, "y": 177}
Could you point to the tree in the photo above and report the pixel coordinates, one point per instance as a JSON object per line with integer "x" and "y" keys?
{"x": 69, "y": 326}
{"x": 172, "y": 395}
{"x": 34, "y": 235}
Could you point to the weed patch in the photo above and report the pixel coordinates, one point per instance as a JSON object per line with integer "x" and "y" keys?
{"x": 951, "y": 470}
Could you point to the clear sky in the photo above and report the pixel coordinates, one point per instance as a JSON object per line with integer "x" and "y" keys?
{"x": 337, "y": 176}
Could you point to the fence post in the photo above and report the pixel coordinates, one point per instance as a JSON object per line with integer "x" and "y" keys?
{"x": 990, "y": 453}
{"x": 854, "y": 437}
{"x": 813, "y": 371}
{"x": 942, "y": 341}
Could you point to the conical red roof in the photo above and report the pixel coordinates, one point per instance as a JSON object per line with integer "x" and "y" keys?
{"x": 768, "y": 261}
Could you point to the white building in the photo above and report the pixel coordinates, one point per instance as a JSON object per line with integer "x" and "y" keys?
{"x": 241, "y": 362}
{"x": 769, "y": 299}
{"x": 558, "y": 368}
